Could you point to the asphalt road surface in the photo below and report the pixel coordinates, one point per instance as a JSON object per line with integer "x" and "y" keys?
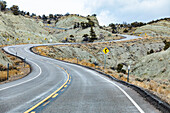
{"x": 86, "y": 92}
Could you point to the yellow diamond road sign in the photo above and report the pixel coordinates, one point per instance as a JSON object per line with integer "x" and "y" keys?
{"x": 105, "y": 50}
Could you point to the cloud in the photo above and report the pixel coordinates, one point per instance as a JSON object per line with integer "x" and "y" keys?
{"x": 108, "y": 11}
{"x": 130, "y": 10}
{"x": 49, "y": 6}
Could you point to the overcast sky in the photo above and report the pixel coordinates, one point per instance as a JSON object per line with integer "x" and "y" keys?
{"x": 108, "y": 11}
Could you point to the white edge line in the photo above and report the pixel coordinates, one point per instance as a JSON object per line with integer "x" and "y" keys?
{"x": 26, "y": 80}
{"x": 134, "y": 103}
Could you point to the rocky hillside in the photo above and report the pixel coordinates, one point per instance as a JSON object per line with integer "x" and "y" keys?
{"x": 150, "y": 63}
{"x": 128, "y": 53}
{"x": 78, "y": 26}
{"x": 156, "y": 65}
{"x": 19, "y": 29}
{"x": 78, "y": 34}
{"x": 160, "y": 28}
{"x": 70, "y": 20}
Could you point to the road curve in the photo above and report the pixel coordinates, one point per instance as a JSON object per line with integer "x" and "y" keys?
{"x": 89, "y": 91}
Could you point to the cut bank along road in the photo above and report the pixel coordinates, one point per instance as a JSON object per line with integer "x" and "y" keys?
{"x": 89, "y": 91}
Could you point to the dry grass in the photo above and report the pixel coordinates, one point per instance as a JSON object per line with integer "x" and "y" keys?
{"x": 16, "y": 70}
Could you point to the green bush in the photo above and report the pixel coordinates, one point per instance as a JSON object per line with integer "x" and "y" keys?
{"x": 51, "y": 16}
{"x": 49, "y": 22}
{"x": 125, "y": 31}
{"x": 119, "y": 69}
{"x": 15, "y": 9}
{"x": 167, "y": 45}
{"x": 109, "y": 35}
{"x": 3, "y": 5}
{"x": 93, "y": 35}
{"x": 150, "y": 52}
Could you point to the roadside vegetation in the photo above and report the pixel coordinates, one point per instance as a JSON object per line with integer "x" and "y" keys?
{"x": 17, "y": 69}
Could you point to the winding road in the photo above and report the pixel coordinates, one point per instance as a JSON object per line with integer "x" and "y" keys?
{"x": 58, "y": 87}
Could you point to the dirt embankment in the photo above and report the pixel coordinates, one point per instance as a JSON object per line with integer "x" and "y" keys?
{"x": 129, "y": 52}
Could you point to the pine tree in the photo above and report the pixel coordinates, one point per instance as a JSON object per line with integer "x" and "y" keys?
{"x": 2, "y": 5}
{"x": 92, "y": 34}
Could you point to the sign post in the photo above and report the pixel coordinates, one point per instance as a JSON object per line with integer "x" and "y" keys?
{"x": 128, "y": 73}
{"x": 7, "y": 41}
{"x": 77, "y": 60}
{"x": 45, "y": 40}
{"x": 51, "y": 40}
{"x": 24, "y": 61}
{"x": 28, "y": 40}
{"x": 7, "y": 71}
{"x": 105, "y": 51}
{"x": 95, "y": 63}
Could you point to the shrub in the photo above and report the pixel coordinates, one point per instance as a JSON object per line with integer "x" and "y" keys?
{"x": 49, "y": 22}
{"x": 44, "y": 18}
{"x": 167, "y": 45}
{"x": 85, "y": 37}
{"x": 112, "y": 25}
{"x": 94, "y": 15}
{"x": 109, "y": 35}
{"x": 15, "y": 9}
{"x": 93, "y": 35}
{"x": 90, "y": 23}
{"x": 33, "y": 14}
{"x": 22, "y": 13}
{"x": 51, "y": 16}
{"x": 123, "y": 71}
{"x": 76, "y": 25}
{"x": 137, "y": 24}
{"x": 28, "y": 13}
{"x": 3, "y": 5}
{"x": 150, "y": 52}
{"x": 119, "y": 67}
{"x": 125, "y": 31}
{"x": 120, "y": 75}
{"x": 71, "y": 36}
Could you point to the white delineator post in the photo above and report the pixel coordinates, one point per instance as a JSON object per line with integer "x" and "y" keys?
{"x": 128, "y": 73}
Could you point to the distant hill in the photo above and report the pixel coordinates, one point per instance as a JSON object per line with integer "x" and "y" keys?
{"x": 70, "y": 21}
{"x": 157, "y": 28}
{"x": 19, "y": 29}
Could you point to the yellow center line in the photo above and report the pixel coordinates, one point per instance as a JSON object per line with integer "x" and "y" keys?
{"x": 38, "y": 104}
{"x": 46, "y": 103}
{"x": 65, "y": 86}
{"x": 62, "y": 90}
{"x": 55, "y": 95}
